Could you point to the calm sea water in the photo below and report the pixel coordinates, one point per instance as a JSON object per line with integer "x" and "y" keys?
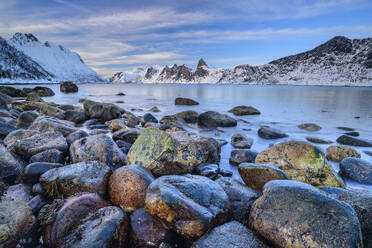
{"x": 282, "y": 107}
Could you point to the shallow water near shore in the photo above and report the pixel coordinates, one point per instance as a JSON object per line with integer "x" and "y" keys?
{"x": 282, "y": 107}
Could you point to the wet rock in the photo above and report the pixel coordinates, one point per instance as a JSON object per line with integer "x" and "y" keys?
{"x": 128, "y": 135}
{"x": 116, "y": 124}
{"x": 189, "y": 116}
{"x": 72, "y": 137}
{"x": 185, "y": 101}
{"x": 355, "y": 134}
{"x": 244, "y": 110}
{"x": 10, "y": 166}
{"x": 49, "y": 124}
{"x": 348, "y": 140}
{"x": 127, "y": 187}
{"x": 36, "y": 203}
{"x": 4, "y": 101}
{"x": 60, "y": 219}
{"x": 37, "y": 189}
{"x": 271, "y": 133}
{"x": 17, "y": 221}
{"x": 188, "y": 204}
{"x": 369, "y": 153}
{"x": 256, "y": 176}
{"x": 310, "y": 127}
{"x": 207, "y": 170}
{"x": 49, "y": 156}
{"x": 97, "y": 148}
{"x": 172, "y": 153}
{"x": 154, "y": 109}
{"x": 318, "y": 140}
{"x": 35, "y": 170}
{"x": 68, "y": 87}
{"x": 295, "y": 214}
{"x": 120, "y": 94}
{"x": 98, "y": 126}
{"x": 26, "y": 118}
{"x": 75, "y": 178}
{"x": 103, "y": 111}
{"x": 230, "y": 235}
{"x": 169, "y": 122}
{"x": 148, "y": 118}
{"x": 332, "y": 191}
{"x": 242, "y": 156}
{"x": 346, "y": 128}
{"x": 147, "y": 232}
{"x": 43, "y": 91}
{"x": 241, "y": 141}
{"x": 75, "y": 116}
{"x": 47, "y": 109}
{"x": 26, "y": 105}
{"x": 361, "y": 201}
{"x": 131, "y": 120}
{"x": 357, "y": 169}
{"x": 34, "y": 97}
{"x": 11, "y": 91}
{"x": 338, "y": 153}
{"x": 240, "y": 196}
{"x": 107, "y": 227}
{"x": 66, "y": 107}
{"x": 37, "y": 143}
{"x": 301, "y": 161}
{"x": 6, "y": 128}
{"x": 212, "y": 119}
{"x": 124, "y": 146}
{"x": 19, "y": 192}
{"x": 98, "y": 131}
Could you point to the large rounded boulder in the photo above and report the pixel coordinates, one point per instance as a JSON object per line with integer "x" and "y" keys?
{"x": 103, "y": 111}
{"x": 68, "y": 87}
{"x": 295, "y": 214}
{"x": 97, "y": 148}
{"x": 212, "y": 119}
{"x": 128, "y": 185}
{"x": 357, "y": 169}
{"x": 188, "y": 204}
{"x": 338, "y": 153}
{"x": 52, "y": 124}
{"x": 172, "y": 153}
{"x": 301, "y": 161}
{"x": 10, "y": 166}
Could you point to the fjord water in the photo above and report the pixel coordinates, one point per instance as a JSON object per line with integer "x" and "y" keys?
{"x": 282, "y": 107}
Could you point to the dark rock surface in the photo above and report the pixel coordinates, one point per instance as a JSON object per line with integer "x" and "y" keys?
{"x": 356, "y": 169}
{"x": 211, "y": 119}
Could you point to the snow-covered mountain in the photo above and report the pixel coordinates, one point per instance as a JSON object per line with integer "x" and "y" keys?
{"x": 55, "y": 61}
{"x": 118, "y": 77}
{"x": 339, "y": 61}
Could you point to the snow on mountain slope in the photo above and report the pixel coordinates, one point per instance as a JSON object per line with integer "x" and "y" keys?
{"x": 15, "y": 65}
{"x": 339, "y": 61}
{"x": 57, "y": 60}
{"x": 118, "y": 77}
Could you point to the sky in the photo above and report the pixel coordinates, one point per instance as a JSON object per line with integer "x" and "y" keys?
{"x": 119, "y": 35}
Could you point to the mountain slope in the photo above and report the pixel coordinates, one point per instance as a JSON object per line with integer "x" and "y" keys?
{"x": 118, "y": 78}
{"x": 339, "y": 61}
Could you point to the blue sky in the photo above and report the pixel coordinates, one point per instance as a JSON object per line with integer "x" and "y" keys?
{"x": 115, "y": 35}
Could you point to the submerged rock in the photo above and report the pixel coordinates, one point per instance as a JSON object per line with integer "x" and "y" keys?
{"x": 244, "y": 110}
{"x": 301, "y": 161}
{"x": 348, "y": 140}
{"x": 295, "y": 214}
{"x": 310, "y": 127}
{"x": 357, "y": 169}
{"x": 185, "y": 101}
{"x": 127, "y": 187}
{"x": 75, "y": 178}
{"x": 318, "y": 140}
{"x": 241, "y": 141}
{"x": 189, "y": 116}
{"x": 211, "y": 119}
{"x": 148, "y": 118}
{"x": 97, "y": 148}
{"x": 338, "y": 153}
{"x": 172, "y": 153}
{"x": 68, "y": 87}
{"x": 271, "y": 133}
{"x": 188, "y": 204}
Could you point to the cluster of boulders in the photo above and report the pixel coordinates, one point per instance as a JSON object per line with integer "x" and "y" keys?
{"x": 100, "y": 176}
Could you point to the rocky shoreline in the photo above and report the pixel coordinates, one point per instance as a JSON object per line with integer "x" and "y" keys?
{"x": 100, "y": 176}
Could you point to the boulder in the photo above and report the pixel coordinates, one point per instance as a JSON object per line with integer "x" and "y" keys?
{"x": 244, "y": 110}
{"x": 11, "y": 91}
{"x": 62, "y": 217}
{"x": 189, "y": 116}
{"x": 271, "y": 133}
{"x": 147, "y": 232}
{"x": 241, "y": 141}
{"x": 256, "y": 176}
{"x": 240, "y": 196}
{"x": 332, "y": 191}
{"x": 10, "y": 166}
{"x": 4, "y": 101}
{"x": 207, "y": 170}
{"x": 356, "y": 169}
{"x": 116, "y": 124}
{"x": 131, "y": 120}
{"x": 34, "y": 97}
{"x": 6, "y": 128}
{"x": 295, "y": 214}
{"x": 148, "y": 118}
{"x": 51, "y": 124}
{"x": 26, "y": 118}
{"x": 242, "y": 156}
{"x": 346, "y": 128}
{"x": 20, "y": 192}
{"x": 154, "y": 109}
{"x": 230, "y": 235}
{"x": 68, "y": 87}
{"x": 127, "y": 187}
{"x": 97, "y": 148}
{"x": 188, "y": 204}
{"x": 212, "y": 119}
{"x": 103, "y": 111}
{"x": 18, "y": 134}
{"x": 352, "y": 141}
{"x": 37, "y": 143}
{"x": 26, "y": 105}
{"x": 301, "y": 161}
{"x": 185, "y": 101}
{"x": 75, "y": 178}
{"x": 172, "y": 153}
{"x": 75, "y": 116}
{"x": 361, "y": 201}
{"x": 47, "y": 109}
{"x": 72, "y": 137}
{"x": 355, "y": 134}
{"x": 338, "y": 153}
{"x": 33, "y": 171}
{"x": 17, "y": 221}
{"x": 318, "y": 140}
{"x": 310, "y": 127}
{"x": 36, "y": 203}
{"x": 43, "y": 91}
{"x": 49, "y": 156}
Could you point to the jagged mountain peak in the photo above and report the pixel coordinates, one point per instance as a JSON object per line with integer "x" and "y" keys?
{"x": 202, "y": 63}
{"x": 118, "y": 77}
{"x": 336, "y": 44}
{"x": 24, "y": 38}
